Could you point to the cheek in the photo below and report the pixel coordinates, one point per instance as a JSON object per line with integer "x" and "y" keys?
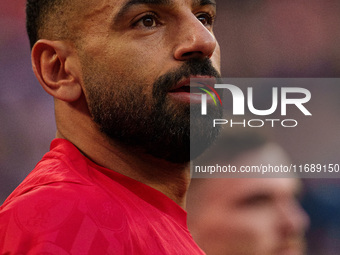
{"x": 252, "y": 233}
{"x": 134, "y": 65}
{"x": 237, "y": 234}
{"x": 144, "y": 54}
{"x": 216, "y": 58}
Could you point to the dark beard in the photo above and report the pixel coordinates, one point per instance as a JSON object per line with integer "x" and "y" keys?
{"x": 157, "y": 126}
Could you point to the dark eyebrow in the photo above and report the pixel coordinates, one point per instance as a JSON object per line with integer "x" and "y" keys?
{"x": 131, "y": 3}
{"x": 204, "y": 2}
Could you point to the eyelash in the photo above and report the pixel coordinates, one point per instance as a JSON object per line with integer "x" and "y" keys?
{"x": 150, "y": 15}
{"x": 209, "y": 18}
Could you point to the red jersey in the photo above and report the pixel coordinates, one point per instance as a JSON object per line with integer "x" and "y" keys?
{"x": 70, "y": 205}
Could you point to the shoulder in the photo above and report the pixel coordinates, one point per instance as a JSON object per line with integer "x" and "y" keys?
{"x": 55, "y": 203}
{"x": 57, "y": 215}
{"x": 56, "y": 169}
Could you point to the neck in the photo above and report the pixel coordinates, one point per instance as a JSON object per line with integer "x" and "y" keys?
{"x": 169, "y": 178}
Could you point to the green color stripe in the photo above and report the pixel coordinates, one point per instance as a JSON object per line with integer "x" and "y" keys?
{"x": 209, "y": 94}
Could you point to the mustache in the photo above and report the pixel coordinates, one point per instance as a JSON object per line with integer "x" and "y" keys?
{"x": 192, "y": 67}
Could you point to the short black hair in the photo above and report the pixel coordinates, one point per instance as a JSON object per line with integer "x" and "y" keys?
{"x": 42, "y": 16}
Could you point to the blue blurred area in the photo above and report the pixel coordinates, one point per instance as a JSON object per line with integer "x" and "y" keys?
{"x": 26, "y": 111}
{"x": 322, "y": 202}
{"x": 293, "y": 38}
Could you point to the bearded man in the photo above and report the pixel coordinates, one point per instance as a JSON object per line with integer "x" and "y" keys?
{"x": 116, "y": 176}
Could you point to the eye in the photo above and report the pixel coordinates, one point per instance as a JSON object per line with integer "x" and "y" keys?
{"x": 205, "y": 18}
{"x": 148, "y": 21}
{"x": 255, "y": 200}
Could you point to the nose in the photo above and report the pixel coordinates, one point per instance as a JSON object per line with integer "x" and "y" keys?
{"x": 194, "y": 40}
{"x": 294, "y": 220}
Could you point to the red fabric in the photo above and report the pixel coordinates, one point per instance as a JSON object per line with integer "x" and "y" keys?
{"x": 69, "y": 205}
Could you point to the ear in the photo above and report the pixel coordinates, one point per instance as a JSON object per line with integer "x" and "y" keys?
{"x": 56, "y": 66}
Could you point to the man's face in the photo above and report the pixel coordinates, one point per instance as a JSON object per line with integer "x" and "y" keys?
{"x": 137, "y": 57}
{"x": 249, "y": 217}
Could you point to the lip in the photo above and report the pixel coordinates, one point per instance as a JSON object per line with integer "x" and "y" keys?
{"x": 186, "y": 82}
{"x": 187, "y": 95}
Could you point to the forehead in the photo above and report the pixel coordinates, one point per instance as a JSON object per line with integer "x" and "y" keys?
{"x": 100, "y": 16}
{"x": 275, "y": 185}
{"x": 92, "y": 6}
{"x": 239, "y": 188}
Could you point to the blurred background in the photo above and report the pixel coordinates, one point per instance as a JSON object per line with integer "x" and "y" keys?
{"x": 263, "y": 38}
